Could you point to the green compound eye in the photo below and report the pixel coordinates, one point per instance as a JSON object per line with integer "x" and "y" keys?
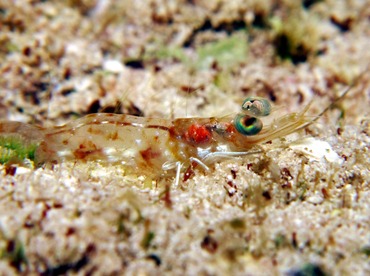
{"x": 247, "y": 125}
{"x": 257, "y": 106}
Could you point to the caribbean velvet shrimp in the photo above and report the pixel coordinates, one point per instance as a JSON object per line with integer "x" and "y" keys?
{"x": 157, "y": 147}
{"x": 149, "y": 145}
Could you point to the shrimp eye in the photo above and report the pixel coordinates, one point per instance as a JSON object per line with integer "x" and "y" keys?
{"x": 257, "y": 106}
{"x": 247, "y": 125}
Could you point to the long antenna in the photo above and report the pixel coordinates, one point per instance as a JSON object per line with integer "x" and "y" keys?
{"x": 335, "y": 101}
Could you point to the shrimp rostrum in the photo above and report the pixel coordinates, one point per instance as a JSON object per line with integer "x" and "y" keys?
{"x": 153, "y": 146}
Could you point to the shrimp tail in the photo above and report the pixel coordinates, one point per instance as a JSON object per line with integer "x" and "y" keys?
{"x": 19, "y": 141}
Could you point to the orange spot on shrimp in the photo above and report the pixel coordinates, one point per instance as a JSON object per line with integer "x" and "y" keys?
{"x": 112, "y": 135}
{"x": 95, "y": 131}
{"x": 198, "y": 134}
{"x": 230, "y": 128}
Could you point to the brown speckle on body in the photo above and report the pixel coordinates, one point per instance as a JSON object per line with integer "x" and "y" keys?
{"x": 149, "y": 154}
{"x": 86, "y": 149}
{"x": 112, "y": 135}
{"x": 95, "y": 130}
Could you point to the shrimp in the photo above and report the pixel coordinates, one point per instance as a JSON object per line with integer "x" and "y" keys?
{"x": 156, "y": 147}
{"x": 150, "y": 146}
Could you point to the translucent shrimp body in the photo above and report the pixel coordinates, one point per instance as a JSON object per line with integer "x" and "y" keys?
{"x": 147, "y": 145}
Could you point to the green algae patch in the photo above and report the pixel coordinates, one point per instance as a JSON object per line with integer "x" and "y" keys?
{"x": 15, "y": 253}
{"x": 226, "y": 52}
{"x": 15, "y": 149}
{"x": 147, "y": 239}
{"x": 164, "y": 53}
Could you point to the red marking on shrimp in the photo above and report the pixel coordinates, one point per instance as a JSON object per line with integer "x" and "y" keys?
{"x": 190, "y": 171}
{"x": 198, "y": 134}
{"x": 149, "y": 153}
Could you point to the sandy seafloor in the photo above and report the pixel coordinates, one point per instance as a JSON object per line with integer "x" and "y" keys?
{"x": 284, "y": 211}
